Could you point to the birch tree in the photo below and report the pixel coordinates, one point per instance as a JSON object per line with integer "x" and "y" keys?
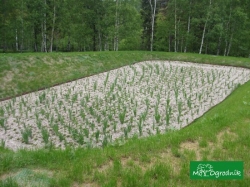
{"x": 188, "y": 25}
{"x": 153, "y": 9}
{"x": 44, "y": 29}
{"x": 175, "y": 27}
{"x": 53, "y": 26}
{"x": 116, "y": 35}
{"x": 205, "y": 26}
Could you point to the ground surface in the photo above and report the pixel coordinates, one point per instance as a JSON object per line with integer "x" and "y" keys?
{"x": 222, "y": 133}
{"x": 138, "y": 100}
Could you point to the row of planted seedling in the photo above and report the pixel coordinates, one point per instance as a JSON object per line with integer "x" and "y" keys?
{"x": 141, "y": 99}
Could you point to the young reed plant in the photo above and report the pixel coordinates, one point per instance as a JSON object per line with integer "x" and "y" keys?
{"x": 26, "y": 134}
{"x": 45, "y": 135}
{"x": 122, "y": 115}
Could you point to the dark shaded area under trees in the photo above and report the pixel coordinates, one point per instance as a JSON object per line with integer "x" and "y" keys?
{"x": 220, "y": 27}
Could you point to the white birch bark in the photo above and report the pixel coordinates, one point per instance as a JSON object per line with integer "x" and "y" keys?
{"x": 229, "y": 45}
{"x": 188, "y": 27}
{"x": 153, "y": 9}
{"x": 226, "y": 38}
{"x": 203, "y": 36}
{"x": 225, "y": 50}
{"x": 16, "y": 41}
{"x": 204, "y": 29}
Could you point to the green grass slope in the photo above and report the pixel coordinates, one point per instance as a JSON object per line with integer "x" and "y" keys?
{"x": 21, "y": 73}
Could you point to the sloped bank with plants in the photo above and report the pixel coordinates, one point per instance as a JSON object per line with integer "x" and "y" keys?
{"x": 220, "y": 134}
{"x": 138, "y": 100}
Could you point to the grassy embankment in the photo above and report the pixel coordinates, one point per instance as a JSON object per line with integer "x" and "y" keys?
{"x": 223, "y": 133}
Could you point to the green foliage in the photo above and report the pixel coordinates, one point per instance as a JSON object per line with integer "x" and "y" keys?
{"x": 45, "y": 135}
{"x": 85, "y": 25}
{"x": 122, "y": 116}
{"x": 69, "y": 25}
{"x": 26, "y": 134}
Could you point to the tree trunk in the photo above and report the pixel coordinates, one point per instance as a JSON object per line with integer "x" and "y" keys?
{"x": 16, "y": 41}
{"x": 203, "y": 36}
{"x": 68, "y": 45}
{"x": 225, "y": 50}
{"x": 204, "y": 29}
{"x": 4, "y": 28}
{"x": 188, "y": 28}
{"x": 219, "y": 44}
{"x": 175, "y": 28}
{"x": 53, "y": 28}
{"x": 100, "y": 40}
{"x": 94, "y": 37}
{"x": 169, "y": 43}
{"x": 35, "y": 38}
{"x": 153, "y": 9}
{"x": 229, "y": 45}
{"x": 21, "y": 48}
{"x": 45, "y": 28}
{"x": 227, "y": 29}
{"x": 178, "y": 34}
{"x": 181, "y": 43}
{"x": 42, "y": 44}
{"x": 116, "y": 36}
{"x": 106, "y": 43}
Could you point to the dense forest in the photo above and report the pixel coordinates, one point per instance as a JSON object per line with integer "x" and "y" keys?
{"x": 220, "y": 27}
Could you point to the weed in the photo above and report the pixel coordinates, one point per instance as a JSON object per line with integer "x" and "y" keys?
{"x": 105, "y": 141}
{"x": 45, "y": 135}
{"x": 2, "y": 123}
{"x": 26, "y": 134}
{"x": 2, "y": 145}
{"x": 86, "y": 132}
{"x": 157, "y": 116}
{"x": 95, "y": 86}
{"x": 122, "y": 116}
{"x": 41, "y": 97}
{"x": 97, "y": 134}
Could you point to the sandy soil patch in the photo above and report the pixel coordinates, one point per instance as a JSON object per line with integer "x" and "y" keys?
{"x": 194, "y": 146}
{"x": 191, "y": 146}
{"x": 85, "y": 185}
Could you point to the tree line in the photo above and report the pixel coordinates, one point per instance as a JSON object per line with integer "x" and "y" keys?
{"x": 220, "y": 27}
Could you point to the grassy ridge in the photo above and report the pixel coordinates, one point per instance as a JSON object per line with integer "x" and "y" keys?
{"x": 223, "y": 133}
{"x": 20, "y": 73}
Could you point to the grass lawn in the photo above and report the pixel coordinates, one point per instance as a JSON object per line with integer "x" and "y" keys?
{"x": 223, "y": 133}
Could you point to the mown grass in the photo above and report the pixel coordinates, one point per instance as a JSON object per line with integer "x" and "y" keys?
{"x": 223, "y": 133}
